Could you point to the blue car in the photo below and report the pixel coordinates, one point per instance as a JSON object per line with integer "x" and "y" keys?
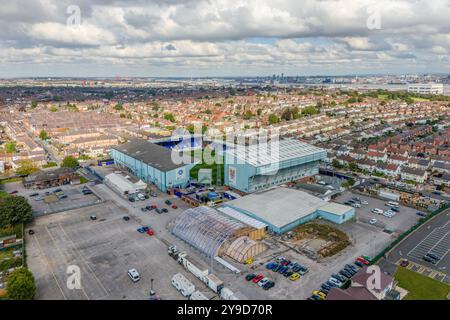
{"x": 271, "y": 265}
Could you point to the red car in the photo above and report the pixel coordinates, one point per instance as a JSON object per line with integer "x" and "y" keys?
{"x": 150, "y": 232}
{"x": 404, "y": 263}
{"x": 174, "y": 206}
{"x": 258, "y": 278}
{"x": 362, "y": 260}
{"x": 154, "y": 206}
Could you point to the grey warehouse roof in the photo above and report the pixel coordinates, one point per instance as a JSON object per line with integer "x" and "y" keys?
{"x": 281, "y": 206}
{"x": 264, "y": 154}
{"x": 151, "y": 154}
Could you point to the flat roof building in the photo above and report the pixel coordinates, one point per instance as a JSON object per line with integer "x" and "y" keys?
{"x": 283, "y": 209}
{"x": 426, "y": 88}
{"x": 151, "y": 163}
{"x": 262, "y": 166}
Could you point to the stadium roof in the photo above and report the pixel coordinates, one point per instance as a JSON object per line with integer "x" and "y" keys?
{"x": 151, "y": 154}
{"x": 268, "y": 153}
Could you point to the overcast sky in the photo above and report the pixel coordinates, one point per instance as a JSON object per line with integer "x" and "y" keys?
{"x": 222, "y": 37}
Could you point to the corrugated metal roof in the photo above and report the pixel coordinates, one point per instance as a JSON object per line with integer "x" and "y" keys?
{"x": 274, "y": 152}
{"x": 233, "y": 213}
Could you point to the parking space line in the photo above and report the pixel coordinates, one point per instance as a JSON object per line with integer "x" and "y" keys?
{"x": 44, "y": 257}
{"x": 84, "y": 261}
{"x": 64, "y": 257}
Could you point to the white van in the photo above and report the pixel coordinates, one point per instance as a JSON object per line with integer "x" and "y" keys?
{"x": 134, "y": 275}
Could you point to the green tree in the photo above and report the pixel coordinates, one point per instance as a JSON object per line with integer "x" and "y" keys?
{"x": 169, "y": 116}
{"x": 70, "y": 162}
{"x": 34, "y": 104}
{"x": 118, "y": 107}
{"x": 273, "y": 119}
{"x": 43, "y": 135}
{"x": 13, "y": 210}
{"x": 53, "y": 109}
{"x": 20, "y": 285}
{"x": 155, "y": 106}
{"x": 10, "y": 147}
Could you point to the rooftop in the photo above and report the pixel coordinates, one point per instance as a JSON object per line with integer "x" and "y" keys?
{"x": 280, "y": 206}
{"x": 151, "y": 154}
{"x": 269, "y": 153}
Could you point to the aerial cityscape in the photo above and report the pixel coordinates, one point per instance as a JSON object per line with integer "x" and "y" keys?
{"x": 225, "y": 150}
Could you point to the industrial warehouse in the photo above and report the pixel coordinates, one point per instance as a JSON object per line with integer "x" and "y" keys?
{"x": 282, "y": 209}
{"x": 151, "y": 163}
{"x": 261, "y": 166}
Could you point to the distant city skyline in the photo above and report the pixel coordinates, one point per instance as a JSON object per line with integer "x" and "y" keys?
{"x": 217, "y": 38}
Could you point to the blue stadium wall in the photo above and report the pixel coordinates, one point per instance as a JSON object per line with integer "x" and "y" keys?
{"x": 249, "y": 178}
{"x": 163, "y": 180}
{"x": 338, "y": 219}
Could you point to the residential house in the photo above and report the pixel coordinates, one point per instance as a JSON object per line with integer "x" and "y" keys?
{"x": 417, "y": 175}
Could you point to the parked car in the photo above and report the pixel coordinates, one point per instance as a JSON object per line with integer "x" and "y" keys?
{"x": 250, "y": 276}
{"x": 271, "y": 265}
{"x": 158, "y": 210}
{"x": 325, "y": 286}
{"x": 362, "y": 260}
{"x": 93, "y": 217}
{"x": 126, "y": 218}
{"x": 268, "y": 285}
{"x": 34, "y": 194}
{"x": 131, "y": 199}
{"x": 319, "y": 294}
{"x": 335, "y": 282}
{"x": 428, "y": 259}
{"x": 404, "y": 263}
{"x": 433, "y": 256}
{"x": 294, "y": 277}
{"x": 377, "y": 211}
{"x": 164, "y": 210}
{"x": 263, "y": 281}
{"x": 31, "y": 232}
{"x": 373, "y": 221}
{"x": 150, "y": 232}
{"x": 134, "y": 275}
{"x": 168, "y": 202}
{"x": 364, "y": 202}
{"x": 14, "y": 192}
{"x": 339, "y": 277}
{"x": 359, "y": 264}
{"x": 421, "y": 214}
{"x": 174, "y": 206}
{"x": 288, "y": 273}
{"x": 257, "y": 278}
